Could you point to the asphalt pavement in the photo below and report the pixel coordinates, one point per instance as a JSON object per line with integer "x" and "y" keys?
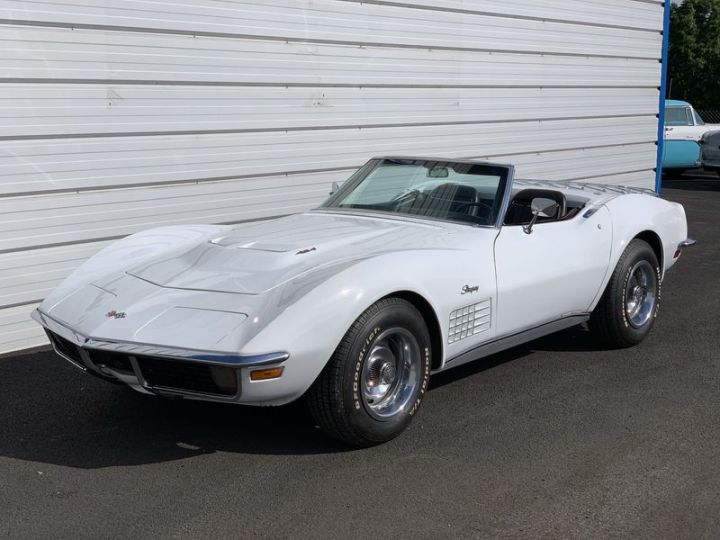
{"x": 559, "y": 438}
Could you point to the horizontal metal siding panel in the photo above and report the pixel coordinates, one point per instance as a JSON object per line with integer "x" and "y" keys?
{"x": 18, "y": 331}
{"x": 33, "y": 110}
{"x": 643, "y": 179}
{"x": 89, "y": 215}
{"x": 332, "y": 21}
{"x": 636, "y": 14}
{"x": 28, "y": 276}
{"x": 77, "y": 54}
{"x": 27, "y": 166}
{"x": 586, "y": 163}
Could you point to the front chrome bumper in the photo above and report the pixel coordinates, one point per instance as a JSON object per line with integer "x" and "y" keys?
{"x": 158, "y": 370}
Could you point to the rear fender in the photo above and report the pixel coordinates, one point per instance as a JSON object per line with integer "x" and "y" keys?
{"x": 634, "y": 214}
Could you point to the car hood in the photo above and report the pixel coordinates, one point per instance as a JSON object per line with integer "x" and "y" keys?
{"x": 255, "y": 258}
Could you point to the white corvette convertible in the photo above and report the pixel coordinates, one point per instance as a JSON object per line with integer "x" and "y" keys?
{"x": 412, "y": 267}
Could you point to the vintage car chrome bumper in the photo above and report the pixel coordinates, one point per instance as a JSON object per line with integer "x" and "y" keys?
{"x": 152, "y": 369}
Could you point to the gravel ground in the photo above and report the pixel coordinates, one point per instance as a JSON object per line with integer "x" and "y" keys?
{"x": 558, "y": 438}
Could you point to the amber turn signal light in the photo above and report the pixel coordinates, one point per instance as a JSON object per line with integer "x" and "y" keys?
{"x": 265, "y": 374}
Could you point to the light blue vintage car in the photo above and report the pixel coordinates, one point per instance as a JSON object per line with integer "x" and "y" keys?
{"x": 684, "y": 128}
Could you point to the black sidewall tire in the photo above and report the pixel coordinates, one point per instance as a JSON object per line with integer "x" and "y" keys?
{"x": 610, "y": 316}
{"x": 360, "y": 418}
{"x": 335, "y": 398}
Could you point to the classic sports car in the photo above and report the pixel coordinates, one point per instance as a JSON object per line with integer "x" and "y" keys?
{"x": 412, "y": 267}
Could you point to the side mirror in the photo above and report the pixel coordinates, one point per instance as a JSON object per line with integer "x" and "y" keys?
{"x": 544, "y": 207}
{"x": 541, "y": 207}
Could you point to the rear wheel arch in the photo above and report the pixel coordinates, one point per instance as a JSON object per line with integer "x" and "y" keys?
{"x": 653, "y": 239}
{"x": 627, "y": 309}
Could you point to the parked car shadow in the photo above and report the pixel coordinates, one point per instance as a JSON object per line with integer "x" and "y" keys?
{"x": 575, "y": 339}
{"x": 52, "y": 413}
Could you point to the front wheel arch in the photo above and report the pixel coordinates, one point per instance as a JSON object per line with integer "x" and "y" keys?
{"x": 339, "y": 400}
{"x": 431, "y": 321}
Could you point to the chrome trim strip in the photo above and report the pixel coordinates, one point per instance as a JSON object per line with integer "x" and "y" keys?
{"x": 136, "y": 370}
{"x": 219, "y": 358}
{"x": 57, "y": 327}
{"x": 687, "y": 243}
{"x": 88, "y": 362}
{"x": 513, "y": 340}
{"x": 178, "y": 393}
{"x": 72, "y": 362}
{"x": 509, "y": 181}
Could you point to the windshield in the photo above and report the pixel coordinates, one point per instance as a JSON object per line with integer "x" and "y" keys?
{"x": 452, "y": 191}
{"x": 698, "y": 119}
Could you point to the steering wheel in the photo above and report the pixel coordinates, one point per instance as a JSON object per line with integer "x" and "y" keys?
{"x": 407, "y": 198}
{"x": 478, "y": 204}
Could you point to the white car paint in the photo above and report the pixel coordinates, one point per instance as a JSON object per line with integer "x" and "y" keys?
{"x": 295, "y": 285}
{"x": 554, "y": 272}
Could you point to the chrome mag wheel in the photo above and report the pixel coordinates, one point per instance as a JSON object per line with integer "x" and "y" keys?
{"x": 641, "y": 294}
{"x": 391, "y": 373}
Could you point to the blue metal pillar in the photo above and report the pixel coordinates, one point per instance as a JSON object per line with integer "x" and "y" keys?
{"x": 663, "y": 91}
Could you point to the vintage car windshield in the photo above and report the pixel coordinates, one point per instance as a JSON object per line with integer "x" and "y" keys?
{"x": 452, "y": 191}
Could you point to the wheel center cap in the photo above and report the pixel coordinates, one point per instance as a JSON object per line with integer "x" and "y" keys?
{"x": 387, "y": 373}
{"x": 639, "y": 292}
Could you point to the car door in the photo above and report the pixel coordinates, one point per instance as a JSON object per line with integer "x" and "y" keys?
{"x": 681, "y": 149}
{"x": 554, "y": 271}
{"x": 680, "y": 125}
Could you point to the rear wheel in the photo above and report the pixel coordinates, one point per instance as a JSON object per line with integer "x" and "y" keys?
{"x": 627, "y": 310}
{"x": 373, "y": 385}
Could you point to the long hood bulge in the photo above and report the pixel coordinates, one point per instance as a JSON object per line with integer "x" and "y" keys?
{"x": 253, "y": 259}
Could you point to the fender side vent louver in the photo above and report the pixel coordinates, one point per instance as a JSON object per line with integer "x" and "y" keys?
{"x": 469, "y": 321}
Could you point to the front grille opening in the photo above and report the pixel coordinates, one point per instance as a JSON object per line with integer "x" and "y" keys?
{"x": 200, "y": 378}
{"x": 66, "y": 348}
{"x": 113, "y": 360}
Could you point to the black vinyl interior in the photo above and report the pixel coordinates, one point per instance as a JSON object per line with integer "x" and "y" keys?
{"x": 520, "y": 209}
{"x": 454, "y": 201}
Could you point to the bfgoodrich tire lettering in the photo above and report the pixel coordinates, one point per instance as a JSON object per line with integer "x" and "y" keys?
{"x": 375, "y": 381}
{"x": 628, "y": 308}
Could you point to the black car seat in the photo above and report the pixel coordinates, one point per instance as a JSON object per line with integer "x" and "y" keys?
{"x": 448, "y": 199}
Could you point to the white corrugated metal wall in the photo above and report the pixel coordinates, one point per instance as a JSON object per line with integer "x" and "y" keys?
{"x": 120, "y": 116}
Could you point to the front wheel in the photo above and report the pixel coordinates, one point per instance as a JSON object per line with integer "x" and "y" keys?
{"x": 373, "y": 385}
{"x": 627, "y": 310}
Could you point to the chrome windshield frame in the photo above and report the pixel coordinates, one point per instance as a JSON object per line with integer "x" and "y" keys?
{"x": 359, "y": 176}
